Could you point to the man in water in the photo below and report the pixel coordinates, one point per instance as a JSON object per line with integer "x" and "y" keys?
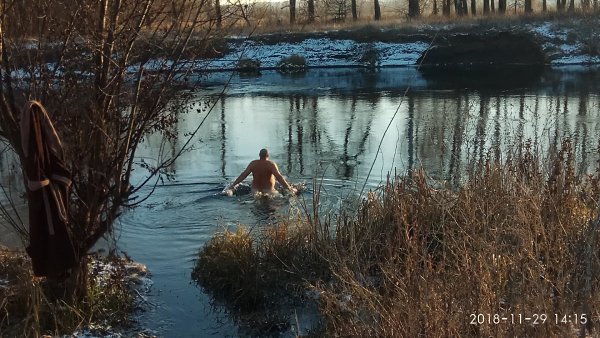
{"x": 264, "y": 173}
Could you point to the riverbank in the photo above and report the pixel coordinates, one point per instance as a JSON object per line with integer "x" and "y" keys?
{"x": 555, "y": 40}
{"x": 512, "y": 245}
{"x": 29, "y": 306}
{"x": 562, "y": 40}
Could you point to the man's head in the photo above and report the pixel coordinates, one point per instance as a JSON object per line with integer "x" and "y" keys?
{"x": 263, "y": 154}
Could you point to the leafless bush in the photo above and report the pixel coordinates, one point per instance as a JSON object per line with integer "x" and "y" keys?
{"x": 108, "y": 73}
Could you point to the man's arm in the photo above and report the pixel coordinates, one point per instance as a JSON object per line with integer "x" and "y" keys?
{"x": 280, "y": 178}
{"x": 242, "y": 176}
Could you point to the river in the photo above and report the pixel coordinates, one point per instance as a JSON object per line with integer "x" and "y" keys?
{"x": 331, "y": 124}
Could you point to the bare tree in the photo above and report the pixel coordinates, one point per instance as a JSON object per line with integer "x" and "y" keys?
{"x": 413, "y": 9}
{"x": 501, "y": 6}
{"x": 473, "y": 7}
{"x": 486, "y": 7}
{"x": 218, "y": 14}
{"x": 460, "y": 7}
{"x": 103, "y": 106}
{"x": 292, "y": 12}
{"x": 311, "y": 11}
{"x": 528, "y": 7}
{"x": 377, "y": 10}
{"x": 353, "y": 8}
{"x": 336, "y": 9}
{"x": 446, "y": 7}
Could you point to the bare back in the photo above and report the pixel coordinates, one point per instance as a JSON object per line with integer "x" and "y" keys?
{"x": 263, "y": 175}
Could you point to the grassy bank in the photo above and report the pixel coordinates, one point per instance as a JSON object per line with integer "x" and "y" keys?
{"x": 33, "y": 307}
{"x": 519, "y": 239}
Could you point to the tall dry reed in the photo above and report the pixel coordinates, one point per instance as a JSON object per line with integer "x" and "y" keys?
{"x": 511, "y": 252}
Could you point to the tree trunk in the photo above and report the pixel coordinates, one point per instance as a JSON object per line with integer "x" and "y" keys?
{"x": 446, "y": 7}
{"x": 292, "y": 12}
{"x": 218, "y": 14}
{"x": 502, "y": 6}
{"x": 528, "y": 7}
{"x": 377, "y": 16}
{"x": 311, "y": 11}
{"x": 571, "y": 6}
{"x": 493, "y": 6}
{"x": 435, "y": 8}
{"x": 354, "y": 14}
{"x": 486, "y": 7}
{"x": 413, "y": 9}
{"x": 76, "y": 285}
{"x": 544, "y": 6}
{"x": 464, "y": 7}
{"x": 473, "y": 7}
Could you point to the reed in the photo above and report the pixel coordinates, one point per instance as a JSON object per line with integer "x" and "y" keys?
{"x": 518, "y": 239}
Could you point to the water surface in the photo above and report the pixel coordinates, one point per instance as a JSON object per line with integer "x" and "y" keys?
{"x": 330, "y": 124}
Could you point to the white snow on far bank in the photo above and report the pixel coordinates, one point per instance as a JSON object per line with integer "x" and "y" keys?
{"x": 571, "y": 48}
{"x": 546, "y": 30}
{"x": 394, "y": 54}
{"x": 320, "y": 53}
{"x": 558, "y": 47}
{"x": 577, "y": 60}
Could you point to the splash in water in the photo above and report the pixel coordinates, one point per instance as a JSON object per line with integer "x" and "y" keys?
{"x": 245, "y": 189}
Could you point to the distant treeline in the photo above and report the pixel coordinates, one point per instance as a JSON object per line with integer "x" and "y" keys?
{"x": 29, "y": 17}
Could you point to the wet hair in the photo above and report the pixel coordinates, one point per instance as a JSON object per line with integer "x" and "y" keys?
{"x": 264, "y": 153}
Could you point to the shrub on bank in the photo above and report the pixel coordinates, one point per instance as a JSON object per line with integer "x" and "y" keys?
{"x": 423, "y": 259}
{"x": 370, "y": 57}
{"x": 292, "y": 64}
{"x": 246, "y": 65}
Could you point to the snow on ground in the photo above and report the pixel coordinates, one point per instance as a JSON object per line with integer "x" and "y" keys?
{"x": 559, "y": 43}
{"x": 561, "y": 49}
{"x": 556, "y": 40}
{"x": 322, "y": 52}
{"x": 3, "y": 283}
{"x": 576, "y": 60}
{"x": 393, "y": 54}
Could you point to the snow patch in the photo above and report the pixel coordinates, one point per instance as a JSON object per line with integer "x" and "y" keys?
{"x": 323, "y": 52}
{"x": 404, "y": 54}
{"x": 568, "y": 48}
{"x": 3, "y": 283}
{"x": 545, "y": 30}
{"x": 576, "y": 60}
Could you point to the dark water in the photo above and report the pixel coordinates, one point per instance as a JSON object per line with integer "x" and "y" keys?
{"x": 330, "y": 124}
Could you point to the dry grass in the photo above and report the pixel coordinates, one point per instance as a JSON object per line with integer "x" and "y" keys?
{"x": 268, "y": 22}
{"x": 33, "y": 307}
{"x": 420, "y": 259}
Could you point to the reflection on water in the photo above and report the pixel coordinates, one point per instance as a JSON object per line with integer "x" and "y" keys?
{"x": 329, "y": 125}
